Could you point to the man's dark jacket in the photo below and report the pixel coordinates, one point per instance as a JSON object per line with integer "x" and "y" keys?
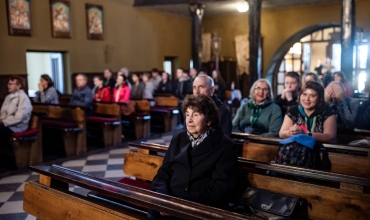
{"x": 205, "y": 174}
{"x": 225, "y": 117}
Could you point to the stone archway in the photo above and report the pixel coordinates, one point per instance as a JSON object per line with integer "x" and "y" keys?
{"x": 275, "y": 61}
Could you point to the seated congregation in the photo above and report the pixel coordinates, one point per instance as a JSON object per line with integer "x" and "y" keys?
{"x": 207, "y": 170}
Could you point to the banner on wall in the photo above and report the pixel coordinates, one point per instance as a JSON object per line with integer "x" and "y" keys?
{"x": 206, "y": 47}
{"x": 242, "y": 53}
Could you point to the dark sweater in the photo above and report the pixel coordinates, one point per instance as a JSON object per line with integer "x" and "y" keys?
{"x": 82, "y": 97}
{"x": 285, "y": 104}
{"x": 225, "y": 117}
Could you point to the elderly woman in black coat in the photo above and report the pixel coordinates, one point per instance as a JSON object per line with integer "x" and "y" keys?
{"x": 201, "y": 162}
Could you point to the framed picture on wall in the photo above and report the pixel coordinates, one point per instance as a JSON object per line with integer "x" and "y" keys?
{"x": 19, "y": 17}
{"x": 60, "y": 12}
{"x": 94, "y": 21}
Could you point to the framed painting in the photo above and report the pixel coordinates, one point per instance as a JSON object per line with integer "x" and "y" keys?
{"x": 19, "y": 17}
{"x": 60, "y": 12}
{"x": 94, "y": 21}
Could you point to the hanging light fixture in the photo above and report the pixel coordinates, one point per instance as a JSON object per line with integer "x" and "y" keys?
{"x": 242, "y": 6}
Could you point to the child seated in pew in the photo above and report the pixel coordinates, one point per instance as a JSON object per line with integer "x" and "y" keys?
{"x": 101, "y": 93}
{"x": 312, "y": 116}
{"x": 47, "y": 92}
{"x": 15, "y": 115}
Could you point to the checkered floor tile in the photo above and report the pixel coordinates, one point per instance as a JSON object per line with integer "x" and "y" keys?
{"x": 107, "y": 164}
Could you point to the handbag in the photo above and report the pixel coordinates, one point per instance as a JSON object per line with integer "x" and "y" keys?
{"x": 270, "y": 205}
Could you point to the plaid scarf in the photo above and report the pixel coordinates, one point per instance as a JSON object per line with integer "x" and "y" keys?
{"x": 196, "y": 141}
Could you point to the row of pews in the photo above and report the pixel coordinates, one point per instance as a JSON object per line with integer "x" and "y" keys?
{"x": 71, "y": 123}
{"x": 338, "y": 194}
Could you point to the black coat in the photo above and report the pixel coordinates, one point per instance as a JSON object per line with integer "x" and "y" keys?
{"x": 205, "y": 174}
{"x": 225, "y": 117}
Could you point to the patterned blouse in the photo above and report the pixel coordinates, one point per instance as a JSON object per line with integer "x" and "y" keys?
{"x": 317, "y": 118}
{"x": 49, "y": 96}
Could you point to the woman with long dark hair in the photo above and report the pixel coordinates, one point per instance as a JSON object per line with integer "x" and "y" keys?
{"x": 47, "y": 92}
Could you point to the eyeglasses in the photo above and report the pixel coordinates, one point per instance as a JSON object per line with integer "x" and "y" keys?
{"x": 261, "y": 89}
{"x": 11, "y": 84}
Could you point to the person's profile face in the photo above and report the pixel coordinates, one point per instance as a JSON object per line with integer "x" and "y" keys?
{"x": 201, "y": 86}
{"x": 135, "y": 78}
{"x": 179, "y": 73}
{"x": 119, "y": 80}
{"x": 80, "y": 81}
{"x": 98, "y": 82}
{"x": 309, "y": 99}
{"x": 43, "y": 82}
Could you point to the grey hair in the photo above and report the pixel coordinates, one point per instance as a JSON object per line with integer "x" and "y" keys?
{"x": 83, "y": 75}
{"x": 124, "y": 70}
{"x": 210, "y": 80}
{"x": 270, "y": 95}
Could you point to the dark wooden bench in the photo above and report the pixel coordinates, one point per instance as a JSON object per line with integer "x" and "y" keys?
{"x": 327, "y": 195}
{"x": 108, "y": 117}
{"x": 49, "y": 198}
{"x": 344, "y": 159}
{"x": 27, "y": 145}
{"x": 167, "y": 111}
{"x": 70, "y": 121}
{"x": 140, "y": 119}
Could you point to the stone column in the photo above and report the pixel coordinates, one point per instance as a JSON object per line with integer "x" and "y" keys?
{"x": 196, "y": 11}
{"x": 348, "y": 37}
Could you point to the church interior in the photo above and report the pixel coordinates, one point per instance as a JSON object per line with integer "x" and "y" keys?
{"x": 99, "y": 97}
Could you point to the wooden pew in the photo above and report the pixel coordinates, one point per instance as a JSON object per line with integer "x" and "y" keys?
{"x": 327, "y": 195}
{"x": 264, "y": 149}
{"x": 49, "y": 198}
{"x": 166, "y": 110}
{"x": 27, "y": 146}
{"x": 140, "y": 118}
{"x": 70, "y": 121}
{"x": 108, "y": 117}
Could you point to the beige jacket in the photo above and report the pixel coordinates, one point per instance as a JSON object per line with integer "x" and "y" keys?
{"x": 16, "y": 111}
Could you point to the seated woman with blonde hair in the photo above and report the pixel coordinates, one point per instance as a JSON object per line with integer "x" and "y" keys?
{"x": 312, "y": 116}
{"x": 259, "y": 115}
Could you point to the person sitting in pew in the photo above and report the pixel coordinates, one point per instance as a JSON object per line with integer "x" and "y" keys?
{"x": 121, "y": 92}
{"x": 259, "y": 115}
{"x": 340, "y": 77}
{"x": 165, "y": 85}
{"x": 220, "y": 85}
{"x": 82, "y": 95}
{"x": 346, "y": 107}
{"x": 101, "y": 93}
{"x": 312, "y": 77}
{"x": 204, "y": 85}
{"x": 363, "y": 116}
{"x": 108, "y": 79}
{"x": 156, "y": 78}
{"x": 47, "y": 92}
{"x": 149, "y": 86}
{"x": 201, "y": 162}
{"x": 15, "y": 115}
{"x": 137, "y": 89}
{"x": 312, "y": 116}
{"x": 290, "y": 94}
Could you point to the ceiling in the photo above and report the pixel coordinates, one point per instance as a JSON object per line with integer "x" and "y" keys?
{"x": 229, "y": 6}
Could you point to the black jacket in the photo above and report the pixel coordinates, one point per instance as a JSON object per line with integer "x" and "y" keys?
{"x": 363, "y": 116}
{"x": 205, "y": 174}
{"x": 111, "y": 83}
{"x": 285, "y": 104}
{"x": 225, "y": 117}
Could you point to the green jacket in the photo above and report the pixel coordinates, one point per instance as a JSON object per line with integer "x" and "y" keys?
{"x": 267, "y": 124}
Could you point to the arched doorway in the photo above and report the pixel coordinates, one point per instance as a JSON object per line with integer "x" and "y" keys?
{"x": 320, "y": 42}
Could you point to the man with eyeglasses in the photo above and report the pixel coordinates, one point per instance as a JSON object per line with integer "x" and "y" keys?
{"x": 14, "y": 117}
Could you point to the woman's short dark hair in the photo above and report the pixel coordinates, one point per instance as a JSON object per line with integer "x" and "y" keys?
{"x": 19, "y": 80}
{"x": 341, "y": 75}
{"x": 124, "y": 78}
{"x": 314, "y": 75}
{"x": 294, "y": 75}
{"x": 204, "y": 105}
{"x": 318, "y": 88}
{"x": 101, "y": 78}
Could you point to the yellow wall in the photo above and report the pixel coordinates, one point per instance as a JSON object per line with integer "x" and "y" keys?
{"x": 137, "y": 38}
{"x": 279, "y": 24}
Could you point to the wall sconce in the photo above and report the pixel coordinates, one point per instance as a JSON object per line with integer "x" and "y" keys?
{"x": 216, "y": 48}
{"x": 242, "y": 7}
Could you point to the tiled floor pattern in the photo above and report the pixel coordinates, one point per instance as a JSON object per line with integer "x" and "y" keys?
{"x": 107, "y": 164}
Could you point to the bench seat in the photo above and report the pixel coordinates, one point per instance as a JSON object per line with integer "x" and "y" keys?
{"x": 30, "y": 133}
{"x": 103, "y": 120}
